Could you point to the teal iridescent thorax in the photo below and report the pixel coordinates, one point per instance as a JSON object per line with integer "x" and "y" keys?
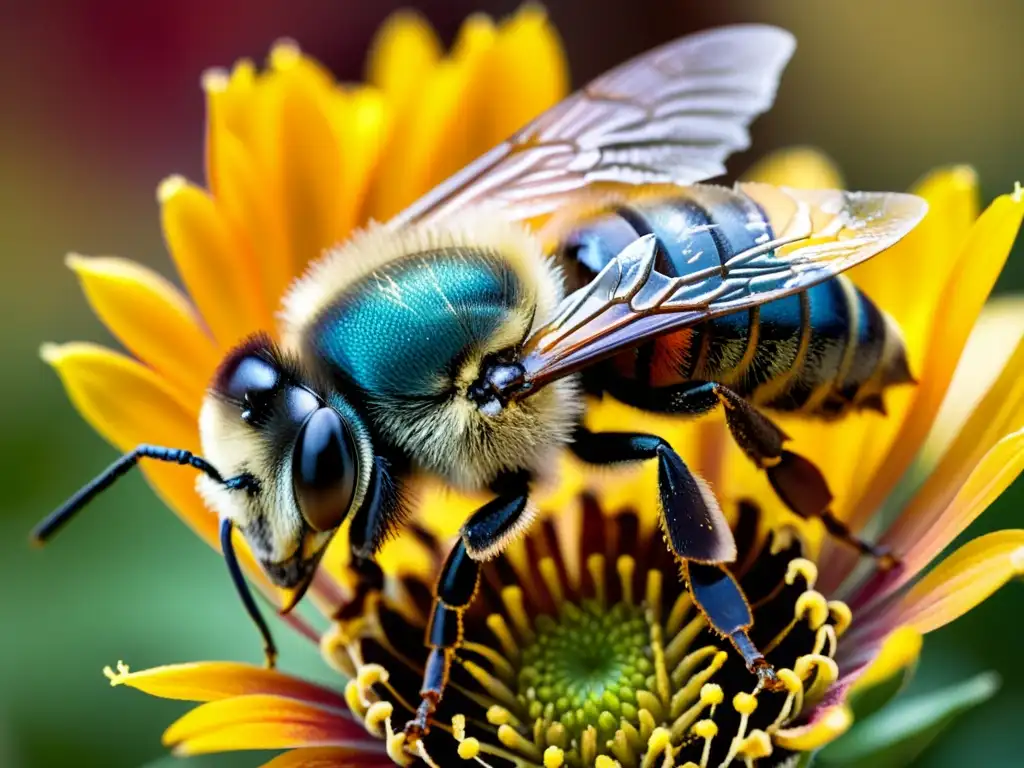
{"x": 405, "y": 328}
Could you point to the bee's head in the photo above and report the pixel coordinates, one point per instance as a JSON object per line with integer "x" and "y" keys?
{"x": 306, "y": 448}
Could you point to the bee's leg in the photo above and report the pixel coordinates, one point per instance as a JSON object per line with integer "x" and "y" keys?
{"x": 797, "y": 481}
{"x": 697, "y": 532}
{"x": 481, "y": 537}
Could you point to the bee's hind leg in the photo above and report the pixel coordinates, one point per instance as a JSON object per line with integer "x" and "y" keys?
{"x": 489, "y": 528}
{"x": 697, "y": 533}
{"x": 797, "y": 481}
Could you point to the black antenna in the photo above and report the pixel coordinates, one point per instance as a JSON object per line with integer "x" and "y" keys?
{"x": 227, "y": 548}
{"x": 60, "y": 516}
{"x": 56, "y": 519}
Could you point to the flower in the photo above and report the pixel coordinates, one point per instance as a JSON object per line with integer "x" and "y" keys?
{"x": 588, "y": 651}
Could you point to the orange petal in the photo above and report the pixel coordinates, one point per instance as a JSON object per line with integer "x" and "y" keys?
{"x": 242, "y": 191}
{"x": 985, "y": 357}
{"x": 961, "y": 581}
{"x": 218, "y": 273}
{"x": 129, "y": 404}
{"x": 152, "y": 319}
{"x": 263, "y": 721}
{"x": 801, "y": 167}
{"x": 325, "y": 757}
{"x": 215, "y": 680}
{"x": 975, "y": 272}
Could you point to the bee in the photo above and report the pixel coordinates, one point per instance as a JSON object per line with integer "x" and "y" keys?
{"x": 464, "y": 339}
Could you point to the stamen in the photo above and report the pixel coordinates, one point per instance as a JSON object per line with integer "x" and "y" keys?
{"x": 494, "y": 687}
{"x": 496, "y": 623}
{"x": 626, "y": 566}
{"x": 595, "y": 567}
{"x": 553, "y": 757}
{"x": 549, "y": 573}
{"x": 603, "y": 761}
{"x": 354, "y": 699}
{"x": 813, "y": 607}
{"x": 652, "y": 594}
{"x": 117, "y": 678}
{"x": 694, "y": 687}
{"x": 794, "y": 700}
{"x": 512, "y": 739}
{"x": 376, "y": 716}
{"x": 746, "y": 705}
{"x": 512, "y": 597}
{"x": 685, "y": 669}
{"x": 469, "y": 748}
{"x": 825, "y": 673}
{"x": 680, "y": 610}
{"x": 802, "y": 567}
{"x": 394, "y": 744}
{"x": 707, "y": 730}
{"x": 842, "y": 616}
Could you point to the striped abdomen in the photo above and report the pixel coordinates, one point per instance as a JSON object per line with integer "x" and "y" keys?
{"x": 821, "y": 351}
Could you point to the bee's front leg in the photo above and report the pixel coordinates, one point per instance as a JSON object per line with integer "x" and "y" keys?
{"x": 696, "y": 531}
{"x": 484, "y": 534}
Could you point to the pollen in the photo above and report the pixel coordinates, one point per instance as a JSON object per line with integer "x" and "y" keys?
{"x": 469, "y": 748}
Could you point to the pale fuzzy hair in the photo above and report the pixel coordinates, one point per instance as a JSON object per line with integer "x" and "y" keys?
{"x": 454, "y": 440}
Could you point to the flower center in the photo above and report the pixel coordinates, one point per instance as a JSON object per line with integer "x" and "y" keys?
{"x": 584, "y": 667}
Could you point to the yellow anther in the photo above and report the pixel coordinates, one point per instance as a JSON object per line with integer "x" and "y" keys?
{"x": 790, "y": 679}
{"x": 661, "y": 739}
{"x": 626, "y": 567}
{"x": 117, "y": 678}
{"x": 554, "y": 757}
{"x": 469, "y": 748}
{"x": 354, "y": 699}
{"x": 744, "y": 703}
{"x": 498, "y": 715}
{"x": 711, "y": 694}
{"x": 603, "y": 761}
{"x": 395, "y": 746}
{"x": 801, "y": 566}
{"x": 459, "y": 727}
{"x": 756, "y": 745}
{"x": 813, "y": 607}
{"x": 377, "y": 716}
{"x": 841, "y": 614}
{"x": 370, "y": 674}
{"x": 705, "y": 729}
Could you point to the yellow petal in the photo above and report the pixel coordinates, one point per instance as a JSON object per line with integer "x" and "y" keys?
{"x": 973, "y": 275}
{"x": 260, "y": 721}
{"x": 899, "y": 650}
{"x": 362, "y": 121}
{"x": 152, "y": 319}
{"x": 414, "y": 159}
{"x": 929, "y": 534}
{"x": 244, "y": 192}
{"x": 827, "y": 726}
{"x": 963, "y": 580}
{"x": 215, "y": 680}
{"x": 310, "y": 171}
{"x": 528, "y": 73}
{"x": 986, "y": 355}
{"x": 801, "y": 167}
{"x": 219, "y": 275}
{"x": 130, "y": 404}
{"x": 321, "y": 757}
{"x": 404, "y": 51}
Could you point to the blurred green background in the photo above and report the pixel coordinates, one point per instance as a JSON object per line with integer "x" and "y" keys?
{"x": 101, "y": 100}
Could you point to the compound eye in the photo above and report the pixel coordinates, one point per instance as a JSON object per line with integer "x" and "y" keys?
{"x": 324, "y": 470}
{"x": 251, "y": 376}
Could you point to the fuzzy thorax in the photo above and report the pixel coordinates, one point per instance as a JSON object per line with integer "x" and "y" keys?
{"x": 408, "y": 318}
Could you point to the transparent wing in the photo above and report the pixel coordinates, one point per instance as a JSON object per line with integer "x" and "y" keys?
{"x": 818, "y": 235}
{"x": 671, "y": 115}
